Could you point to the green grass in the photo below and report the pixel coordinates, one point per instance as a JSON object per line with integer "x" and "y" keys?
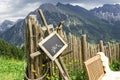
{"x": 11, "y": 69}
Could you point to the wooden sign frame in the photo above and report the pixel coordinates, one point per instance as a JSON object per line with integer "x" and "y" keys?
{"x": 53, "y": 51}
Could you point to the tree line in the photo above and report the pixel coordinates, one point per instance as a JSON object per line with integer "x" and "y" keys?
{"x": 11, "y": 51}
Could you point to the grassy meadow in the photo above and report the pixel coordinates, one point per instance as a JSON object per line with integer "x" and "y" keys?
{"x": 11, "y": 69}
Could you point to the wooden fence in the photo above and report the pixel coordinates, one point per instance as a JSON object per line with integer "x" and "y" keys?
{"x": 78, "y": 51}
{"x": 83, "y": 50}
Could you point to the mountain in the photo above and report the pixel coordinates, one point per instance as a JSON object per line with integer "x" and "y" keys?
{"x": 108, "y": 12}
{"x": 10, "y": 51}
{"x": 15, "y": 34}
{"x": 5, "y": 25}
{"x": 77, "y": 20}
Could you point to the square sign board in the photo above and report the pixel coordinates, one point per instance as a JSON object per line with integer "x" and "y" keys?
{"x": 53, "y": 45}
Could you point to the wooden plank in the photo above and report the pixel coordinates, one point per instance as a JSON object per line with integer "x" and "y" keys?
{"x": 109, "y": 51}
{"x": 79, "y": 50}
{"x": 31, "y": 46}
{"x": 39, "y": 60}
{"x": 35, "y": 54}
{"x": 63, "y": 67}
{"x": 50, "y": 27}
{"x": 84, "y": 48}
{"x": 101, "y": 46}
{"x": 27, "y": 50}
{"x": 44, "y": 20}
{"x": 119, "y": 50}
{"x": 94, "y": 73}
{"x": 67, "y": 53}
{"x": 61, "y": 70}
{"x": 63, "y": 35}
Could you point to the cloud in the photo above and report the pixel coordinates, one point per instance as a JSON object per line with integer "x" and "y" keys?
{"x": 81, "y": 1}
{"x": 10, "y": 9}
{"x": 13, "y": 9}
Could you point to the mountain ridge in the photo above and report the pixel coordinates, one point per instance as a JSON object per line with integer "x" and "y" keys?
{"x": 6, "y": 24}
{"x": 110, "y": 12}
{"x": 77, "y": 21}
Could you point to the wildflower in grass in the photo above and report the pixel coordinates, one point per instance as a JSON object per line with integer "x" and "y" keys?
{"x": 33, "y": 71}
{"x": 53, "y": 67}
{"x": 43, "y": 65}
{"x": 75, "y": 60}
{"x": 56, "y": 67}
{"x": 48, "y": 77}
{"x": 36, "y": 74}
{"x": 70, "y": 63}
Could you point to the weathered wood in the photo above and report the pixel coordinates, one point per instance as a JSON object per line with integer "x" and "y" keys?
{"x": 101, "y": 46}
{"x": 35, "y": 54}
{"x": 80, "y": 53}
{"x": 26, "y": 50}
{"x": 84, "y": 48}
{"x": 50, "y": 27}
{"x": 33, "y": 34}
{"x": 64, "y": 68}
{"x": 109, "y": 52}
{"x": 44, "y": 20}
{"x": 66, "y": 53}
{"x": 59, "y": 30}
{"x": 119, "y": 51}
{"x": 94, "y": 73}
{"x": 35, "y": 38}
{"x": 31, "y": 44}
{"x": 61, "y": 70}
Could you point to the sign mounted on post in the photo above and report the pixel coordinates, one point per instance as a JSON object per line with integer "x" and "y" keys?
{"x": 53, "y": 45}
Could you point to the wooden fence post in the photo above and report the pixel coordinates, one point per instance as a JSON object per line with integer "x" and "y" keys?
{"x": 30, "y": 46}
{"x": 109, "y": 52}
{"x": 33, "y": 35}
{"x": 101, "y": 46}
{"x": 60, "y": 32}
{"x": 119, "y": 51}
{"x": 84, "y": 48}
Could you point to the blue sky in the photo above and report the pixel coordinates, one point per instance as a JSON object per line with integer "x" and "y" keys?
{"x": 16, "y": 9}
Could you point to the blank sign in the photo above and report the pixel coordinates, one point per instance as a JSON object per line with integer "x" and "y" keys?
{"x": 53, "y": 45}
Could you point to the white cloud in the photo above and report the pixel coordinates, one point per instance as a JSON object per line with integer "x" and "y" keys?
{"x": 15, "y": 9}
{"x": 4, "y": 6}
{"x": 87, "y": 6}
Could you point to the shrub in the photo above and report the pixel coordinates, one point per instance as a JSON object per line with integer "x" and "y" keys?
{"x": 115, "y": 66}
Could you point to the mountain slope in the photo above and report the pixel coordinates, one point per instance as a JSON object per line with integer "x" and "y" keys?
{"x": 6, "y": 25}
{"x": 14, "y": 35}
{"x": 90, "y": 23}
{"x": 77, "y": 20}
{"x": 108, "y": 12}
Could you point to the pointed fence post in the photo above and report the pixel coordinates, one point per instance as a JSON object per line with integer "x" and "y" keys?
{"x": 84, "y": 48}
{"x": 101, "y": 46}
{"x": 32, "y": 37}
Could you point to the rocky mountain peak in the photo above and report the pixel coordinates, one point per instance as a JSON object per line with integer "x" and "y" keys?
{"x": 49, "y": 7}
{"x": 108, "y": 12}
{"x": 6, "y": 24}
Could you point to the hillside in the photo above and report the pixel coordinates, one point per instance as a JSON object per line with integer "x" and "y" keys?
{"x": 10, "y": 51}
{"x": 11, "y": 69}
{"x": 5, "y": 25}
{"x": 77, "y": 20}
{"x": 110, "y": 12}
{"x": 15, "y": 34}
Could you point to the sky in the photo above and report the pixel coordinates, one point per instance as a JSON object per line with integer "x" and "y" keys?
{"x": 18, "y": 9}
